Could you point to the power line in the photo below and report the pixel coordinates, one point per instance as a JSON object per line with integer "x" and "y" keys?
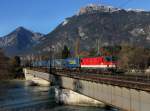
{"x": 125, "y": 3}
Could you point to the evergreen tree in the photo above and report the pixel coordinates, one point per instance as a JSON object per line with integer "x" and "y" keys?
{"x": 17, "y": 61}
{"x": 65, "y": 52}
{"x": 16, "y": 68}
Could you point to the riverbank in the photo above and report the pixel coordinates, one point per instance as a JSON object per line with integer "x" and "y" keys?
{"x": 19, "y": 76}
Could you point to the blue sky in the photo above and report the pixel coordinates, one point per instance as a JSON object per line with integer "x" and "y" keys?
{"x": 44, "y": 15}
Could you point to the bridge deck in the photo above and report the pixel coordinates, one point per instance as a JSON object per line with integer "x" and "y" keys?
{"x": 133, "y": 82}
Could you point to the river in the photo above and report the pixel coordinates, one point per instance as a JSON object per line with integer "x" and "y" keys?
{"x": 17, "y": 95}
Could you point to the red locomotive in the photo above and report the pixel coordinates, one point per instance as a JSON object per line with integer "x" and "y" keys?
{"x": 102, "y": 62}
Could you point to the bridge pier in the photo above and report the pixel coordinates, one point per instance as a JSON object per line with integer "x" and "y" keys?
{"x": 69, "y": 97}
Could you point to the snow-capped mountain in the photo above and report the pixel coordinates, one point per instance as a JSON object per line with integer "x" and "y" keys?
{"x": 106, "y": 24}
{"x": 19, "y": 40}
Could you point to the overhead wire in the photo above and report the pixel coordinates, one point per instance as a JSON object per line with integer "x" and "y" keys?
{"x": 125, "y": 3}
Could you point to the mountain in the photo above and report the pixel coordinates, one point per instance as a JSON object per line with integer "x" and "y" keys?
{"x": 19, "y": 41}
{"x": 95, "y": 24}
{"x": 92, "y": 27}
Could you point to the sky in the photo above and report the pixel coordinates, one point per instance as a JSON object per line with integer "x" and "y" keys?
{"x": 44, "y": 15}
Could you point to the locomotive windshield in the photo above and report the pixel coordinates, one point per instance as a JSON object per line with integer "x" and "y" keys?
{"x": 108, "y": 58}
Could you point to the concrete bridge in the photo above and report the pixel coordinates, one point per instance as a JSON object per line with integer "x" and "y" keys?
{"x": 125, "y": 98}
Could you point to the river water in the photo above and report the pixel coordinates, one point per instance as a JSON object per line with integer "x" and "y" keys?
{"x": 17, "y": 95}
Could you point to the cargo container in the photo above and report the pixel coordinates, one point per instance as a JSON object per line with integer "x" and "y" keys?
{"x": 57, "y": 63}
{"x": 72, "y": 63}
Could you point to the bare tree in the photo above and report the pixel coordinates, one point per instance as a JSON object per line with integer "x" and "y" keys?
{"x": 134, "y": 57}
{"x": 4, "y": 66}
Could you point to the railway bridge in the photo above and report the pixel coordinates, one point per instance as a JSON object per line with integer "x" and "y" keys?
{"x": 120, "y": 92}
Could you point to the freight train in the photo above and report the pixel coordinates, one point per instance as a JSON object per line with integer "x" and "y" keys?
{"x": 88, "y": 63}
